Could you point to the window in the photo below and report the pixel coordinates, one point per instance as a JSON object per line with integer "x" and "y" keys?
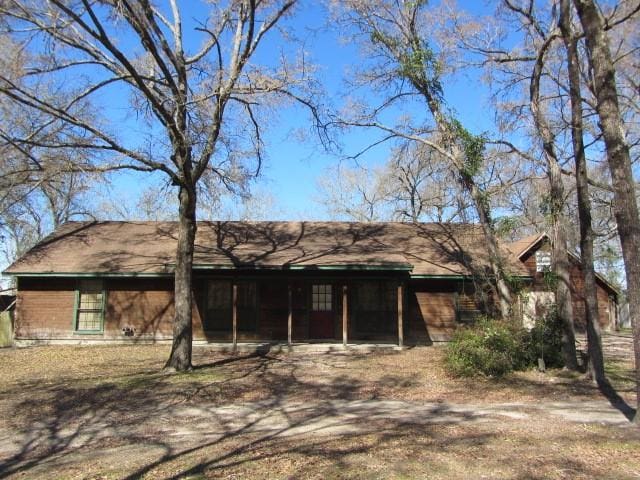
{"x": 219, "y": 295}
{"x": 218, "y": 306}
{"x": 467, "y": 309}
{"x": 218, "y": 315}
{"x": 543, "y": 261}
{"x": 321, "y": 298}
{"x": 375, "y": 307}
{"x": 247, "y": 307}
{"x": 89, "y": 307}
{"x": 377, "y": 296}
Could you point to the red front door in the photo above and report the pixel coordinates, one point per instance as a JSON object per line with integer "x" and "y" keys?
{"x": 321, "y": 316}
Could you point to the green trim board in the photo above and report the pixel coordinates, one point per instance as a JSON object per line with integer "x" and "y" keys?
{"x": 444, "y": 277}
{"x": 92, "y": 275}
{"x": 324, "y": 276}
{"x": 397, "y": 267}
{"x": 214, "y": 266}
{"x": 455, "y": 277}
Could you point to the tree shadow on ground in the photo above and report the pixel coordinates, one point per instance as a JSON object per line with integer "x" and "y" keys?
{"x": 65, "y": 420}
{"x": 234, "y": 411}
{"x": 616, "y": 400}
{"x": 607, "y": 387}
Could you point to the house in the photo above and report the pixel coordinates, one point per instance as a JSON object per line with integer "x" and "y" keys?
{"x": 281, "y": 281}
{"x": 535, "y": 253}
{"x": 257, "y": 282}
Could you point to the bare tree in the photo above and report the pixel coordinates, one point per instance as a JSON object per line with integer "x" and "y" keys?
{"x": 357, "y": 194}
{"x": 154, "y": 202}
{"x": 519, "y": 72}
{"x": 538, "y": 61}
{"x": 398, "y": 39}
{"x": 618, "y": 156}
{"x": 422, "y": 186}
{"x": 198, "y": 108}
{"x": 415, "y": 184}
{"x": 557, "y": 196}
{"x": 594, "y": 342}
{"x": 39, "y": 188}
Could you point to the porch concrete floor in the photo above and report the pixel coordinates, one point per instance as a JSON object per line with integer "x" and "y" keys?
{"x": 300, "y": 347}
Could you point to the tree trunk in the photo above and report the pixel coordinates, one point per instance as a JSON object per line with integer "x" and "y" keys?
{"x": 496, "y": 262}
{"x": 594, "y": 342}
{"x": 559, "y": 244}
{"x": 561, "y": 266}
{"x": 564, "y": 301}
{"x": 180, "y": 357}
{"x": 611, "y": 123}
{"x": 502, "y": 290}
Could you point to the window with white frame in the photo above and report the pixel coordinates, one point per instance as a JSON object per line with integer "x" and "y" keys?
{"x": 90, "y": 306}
{"x": 321, "y": 298}
{"x": 543, "y": 261}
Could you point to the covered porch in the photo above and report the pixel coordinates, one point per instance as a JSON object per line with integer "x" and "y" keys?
{"x": 316, "y": 311}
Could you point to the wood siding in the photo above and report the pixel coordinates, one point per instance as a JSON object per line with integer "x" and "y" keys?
{"x": 577, "y": 294}
{"x": 44, "y": 308}
{"x": 431, "y": 312}
{"x": 577, "y": 289}
{"x": 146, "y": 305}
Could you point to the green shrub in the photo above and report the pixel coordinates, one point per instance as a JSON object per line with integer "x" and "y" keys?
{"x": 545, "y": 341}
{"x": 495, "y": 348}
{"x": 490, "y": 347}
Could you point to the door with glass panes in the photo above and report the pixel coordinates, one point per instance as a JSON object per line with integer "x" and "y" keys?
{"x": 321, "y": 315}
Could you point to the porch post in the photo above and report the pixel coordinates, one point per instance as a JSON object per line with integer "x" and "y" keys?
{"x": 290, "y": 315}
{"x": 400, "y": 315}
{"x": 345, "y": 315}
{"x": 234, "y": 317}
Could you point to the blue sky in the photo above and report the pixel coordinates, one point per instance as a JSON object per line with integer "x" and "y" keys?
{"x": 293, "y": 166}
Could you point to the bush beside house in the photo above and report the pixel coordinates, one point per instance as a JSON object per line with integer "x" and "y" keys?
{"x": 495, "y": 348}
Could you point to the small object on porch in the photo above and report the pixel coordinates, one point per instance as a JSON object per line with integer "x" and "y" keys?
{"x": 128, "y": 331}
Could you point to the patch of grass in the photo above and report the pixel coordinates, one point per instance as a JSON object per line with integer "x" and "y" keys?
{"x": 207, "y": 374}
{"x": 620, "y": 373}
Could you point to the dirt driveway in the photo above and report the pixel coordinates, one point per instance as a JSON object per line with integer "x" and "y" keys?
{"x": 108, "y": 413}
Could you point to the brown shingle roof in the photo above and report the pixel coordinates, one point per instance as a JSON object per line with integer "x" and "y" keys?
{"x": 149, "y": 247}
{"x": 519, "y": 247}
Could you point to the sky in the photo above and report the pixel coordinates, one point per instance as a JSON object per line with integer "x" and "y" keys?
{"x": 294, "y": 168}
{"x": 293, "y": 165}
